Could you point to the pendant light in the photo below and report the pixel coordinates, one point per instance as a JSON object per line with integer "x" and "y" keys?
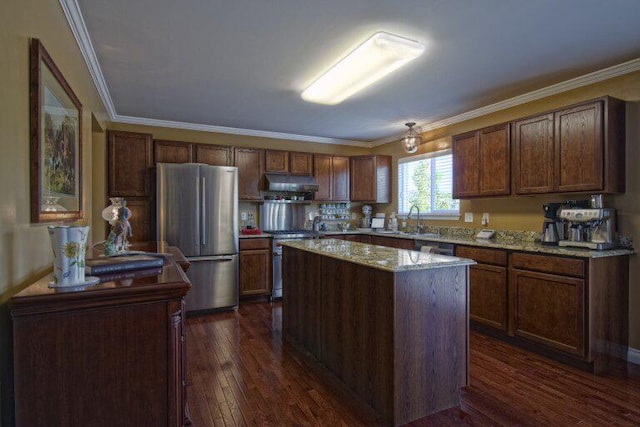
{"x": 412, "y": 140}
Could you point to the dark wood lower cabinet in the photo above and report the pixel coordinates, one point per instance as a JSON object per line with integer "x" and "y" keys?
{"x": 254, "y": 275}
{"x": 550, "y": 309}
{"x": 112, "y": 354}
{"x": 488, "y": 286}
{"x": 408, "y": 244}
{"x": 488, "y": 295}
{"x": 571, "y": 308}
{"x": 397, "y": 339}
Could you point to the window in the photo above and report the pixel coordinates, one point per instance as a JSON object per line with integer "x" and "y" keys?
{"x": 427, "y": 181}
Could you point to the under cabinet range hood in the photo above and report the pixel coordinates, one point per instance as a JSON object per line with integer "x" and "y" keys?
{"x": 291, "y": 183}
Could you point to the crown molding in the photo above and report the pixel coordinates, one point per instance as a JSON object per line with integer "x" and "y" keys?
{"x": 76, "y": 22}
{"x": 237, "y": 131}
{"x": 79, "y": 29}
{"x": 587, "y": 79}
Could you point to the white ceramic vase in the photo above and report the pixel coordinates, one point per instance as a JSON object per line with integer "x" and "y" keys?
{"x": 69, "y": 244}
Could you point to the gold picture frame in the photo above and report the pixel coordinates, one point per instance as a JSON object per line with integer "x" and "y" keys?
{"x": 56, "y": 141}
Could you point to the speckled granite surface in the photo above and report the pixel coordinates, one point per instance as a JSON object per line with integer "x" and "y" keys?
{"x": 379, "y": 257}
{"x": 528, "y": 241}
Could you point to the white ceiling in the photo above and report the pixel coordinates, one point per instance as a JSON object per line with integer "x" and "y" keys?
{"x": 242, "y": 64}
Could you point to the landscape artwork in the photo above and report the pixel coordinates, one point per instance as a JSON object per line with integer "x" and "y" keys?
{"x": 56, "y": 142}
{"x": 60, "y": 134}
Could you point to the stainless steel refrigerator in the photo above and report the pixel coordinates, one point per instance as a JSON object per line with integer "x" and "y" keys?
{"x": 197, "y": 211}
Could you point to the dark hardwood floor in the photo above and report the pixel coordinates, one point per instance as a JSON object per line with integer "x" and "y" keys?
{"x": 240, "y": 372}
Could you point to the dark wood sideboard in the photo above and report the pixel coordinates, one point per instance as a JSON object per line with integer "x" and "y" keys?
{"x": 112, "y": 354}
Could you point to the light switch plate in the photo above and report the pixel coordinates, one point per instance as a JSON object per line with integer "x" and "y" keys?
{"x": 468, "y": 217}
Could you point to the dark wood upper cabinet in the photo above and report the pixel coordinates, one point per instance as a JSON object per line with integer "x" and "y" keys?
{"x": 172, "y": 151}
{"x": 482, "y": 162}
{"x": 340, "y": 174}
{"x": 276, "y": 161}
{"x": 332, "y": 174}
{"x": 579, "y": 148}
{"x": 533, "y": 155}
{"x": 128, "y": 164}
{"x": 370, "y": 179}
{"x": 250, "y": 164}
{"x": 301, "y": 163}
{"x": 495, "y": 161}
{"x": 322, "y": 173}
{"x": 466, "y": 171}
{"x": 576, "y": 149}
{"x": 215, "y": 155}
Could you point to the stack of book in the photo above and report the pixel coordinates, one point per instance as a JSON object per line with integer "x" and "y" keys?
{"x": 104, "y": 265}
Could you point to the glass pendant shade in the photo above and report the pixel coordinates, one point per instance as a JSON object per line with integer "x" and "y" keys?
{"x": 412, "y": 140}
{"x": 110, "y": 213}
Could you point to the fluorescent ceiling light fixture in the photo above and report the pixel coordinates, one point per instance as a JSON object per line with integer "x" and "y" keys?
{"x": 372, "y": 60}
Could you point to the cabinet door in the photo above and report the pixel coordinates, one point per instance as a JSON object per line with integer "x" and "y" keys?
{"x": 277, "y": 161}
{"x": 579, "y": 148}
{"x": 465, "y": 165}
{"x": 142, "y": 226}
{"x": 363, "y": 184}
{"x": 340, "y": 178}
{"x": 392, "y": 242}
{"x": 488, "y": 295}
{"x": 214, "y": 155}
{"x": 250, "y": 164}
{"x": 550, "y": 310}
{"x": 322, "y": 173}
{"x": 365, "y": 238}
{"x": 533, "y": 155}
{"x": 495, "y": 161}
{"x": 128, "y": 164}
{"x": 255, "y": 272}
{"x": 301, "y": 163}
{"x": 172, "y": 152}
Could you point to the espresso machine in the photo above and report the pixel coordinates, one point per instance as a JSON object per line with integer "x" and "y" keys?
{"x": 592, "y": 228}
{"x": 552, "y": 227}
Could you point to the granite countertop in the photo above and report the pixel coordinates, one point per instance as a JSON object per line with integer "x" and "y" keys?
{"x": 379, "y": 257}
{"x": 509, "y": 244}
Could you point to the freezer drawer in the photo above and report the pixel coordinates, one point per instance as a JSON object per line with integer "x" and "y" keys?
{"x": 214, "y": 282}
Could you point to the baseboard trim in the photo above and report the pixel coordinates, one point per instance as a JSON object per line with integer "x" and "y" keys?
{"x": 633, "y": 356}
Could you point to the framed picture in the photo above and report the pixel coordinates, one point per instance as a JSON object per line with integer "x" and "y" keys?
{"x": 56, "y": 142}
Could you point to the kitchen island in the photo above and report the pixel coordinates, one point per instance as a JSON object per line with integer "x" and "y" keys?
{"x": 391, "y": 324}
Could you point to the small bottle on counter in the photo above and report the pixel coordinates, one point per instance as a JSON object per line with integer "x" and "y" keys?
{"x": 393, "y": 222}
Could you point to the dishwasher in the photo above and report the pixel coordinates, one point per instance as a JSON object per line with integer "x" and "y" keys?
{"x": 441, "y": 248}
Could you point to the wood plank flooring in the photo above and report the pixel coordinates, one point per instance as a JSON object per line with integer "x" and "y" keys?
{"x": 240, "y": 372}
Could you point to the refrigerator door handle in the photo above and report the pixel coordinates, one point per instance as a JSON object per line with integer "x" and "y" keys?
{"x": 222, "y": 258}
{"x": 203, "y": 207}
{"x": 197, "y": 231}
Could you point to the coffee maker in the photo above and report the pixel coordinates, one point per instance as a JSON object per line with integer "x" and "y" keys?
{"x": 592, "y": 228}
{"x": 552, "y": 226}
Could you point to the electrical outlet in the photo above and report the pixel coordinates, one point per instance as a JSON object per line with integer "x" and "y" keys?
{"x": 243, "y": 216}
{"x": 468, "y": 217}
{"x": 485, "y": 218}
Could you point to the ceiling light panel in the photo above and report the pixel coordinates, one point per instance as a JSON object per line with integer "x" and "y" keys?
{"x": 380, "y": 55}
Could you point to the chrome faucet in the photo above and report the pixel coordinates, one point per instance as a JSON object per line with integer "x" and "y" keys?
{"x": 419, "y": 227}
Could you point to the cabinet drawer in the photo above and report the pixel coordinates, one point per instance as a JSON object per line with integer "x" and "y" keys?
{"x": 255, "y": 243}
{"x": 548, "y": 264}
{"x": 482, "y": 255}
